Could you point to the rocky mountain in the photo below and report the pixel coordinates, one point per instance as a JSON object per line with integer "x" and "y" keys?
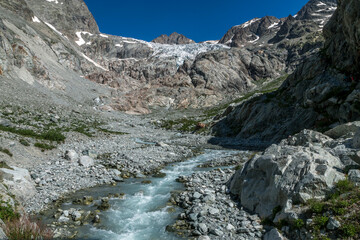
{"x": 323, "y": 91}
{"x": 135, "y": 75}
{"x": 174, "y": 38}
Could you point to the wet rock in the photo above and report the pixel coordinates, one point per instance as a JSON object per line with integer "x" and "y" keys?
{"x": 146, "y": 182}
{"x": 104, "y": 205}
{"x": 159, "y": 175}
{"x": 88, "y": 200}
{"x": 161, "y": 144}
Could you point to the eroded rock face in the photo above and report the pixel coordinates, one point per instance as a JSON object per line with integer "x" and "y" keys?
{"x": 314, "y": 96}
{"x": 296, "y": 170}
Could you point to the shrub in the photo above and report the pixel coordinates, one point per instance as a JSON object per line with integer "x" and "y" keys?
{"x": 349, "y": 230}
{"x": 24, "y": 142}
{"x": 298, "y": 223}
{"x": 321, "y": 221}
{"x": 344, "y": 186}
{"x": 44, "y": 146}
{"x": 7, "y": 213}
{"x": 6, "y": 151}
{"x": 24, "y": 229}
{"x": 53, "y": 135}
{"x": 316, "y": 206}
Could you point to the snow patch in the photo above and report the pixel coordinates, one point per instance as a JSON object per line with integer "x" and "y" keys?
{"x": 54, "y": 1}
{"x": 320, "y": 4}
{"x": 257, "y": 38}
{"x": 211, "y": 42}
{"x": 35, "y": 19}
{"x": 81, "y": 41}
{"x": 93, "y": 62}
{"x": 273, "y": 25}
{"x": 54, "y": 29}
{"x": 104, "y": 36}
{"x": 248, "y": 23}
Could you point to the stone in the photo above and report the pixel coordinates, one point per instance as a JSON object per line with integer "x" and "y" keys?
{"x": 161, "y": 144}
{"x": 355, "y": 157}
{"x": 204, "y": 238}
{"x": 203, "y": 228}
{"x": 356, "y": 140}
{"x": 2, "y": 234}
{"x": 196, "y": 195}
{"x": 216, "y": 232}
{"x": 193, "y": 217}
{"x": 118, "y": 179}
{"x": 86, "y": 161}
{"x": 274, "y": 234}
{"x": 333, "y": 224}
{"x": 87, "y": 200}
{"x": 104, "y": 204}
{"x": 354, "y": 176}
{"x": 63, "y": 219}
{"x": 71, "y": 155}
{"x": 230, "y": 227}
{"x": 214, "y": 211}
{"x": 76, "y": 216}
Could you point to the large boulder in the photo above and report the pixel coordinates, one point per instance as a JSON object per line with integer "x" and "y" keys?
{"x": 356, "y": 140}
{"x": 343, "y": 130}
{"x": 293, "y": 171}
{"x": 19, "y": 182}
{"x": 86, "y": 161}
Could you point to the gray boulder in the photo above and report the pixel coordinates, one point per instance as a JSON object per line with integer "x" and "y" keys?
{"x": 356, "y": 140}
{"x": 71, "y": 155}
{"x": 343, "y": 130}
{"x": 19, "y": 182}
{"x": 2, "y": 234}
{"x": 354, "y": 176}
{"x": 274, "y": 234}
{"x": 86, "y": 161}
{"x": 285, "y": 174}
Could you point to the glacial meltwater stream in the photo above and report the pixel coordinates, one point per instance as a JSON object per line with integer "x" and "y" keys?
{"x": 144, "y": 212}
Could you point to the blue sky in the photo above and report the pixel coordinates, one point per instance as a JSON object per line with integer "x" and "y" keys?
{"x": 199, "y": 20}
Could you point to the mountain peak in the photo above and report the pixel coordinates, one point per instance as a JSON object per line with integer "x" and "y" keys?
{"x": 173, "y": 39}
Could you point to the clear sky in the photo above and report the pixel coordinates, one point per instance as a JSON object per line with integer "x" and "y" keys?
{"x": 199, "y": 20}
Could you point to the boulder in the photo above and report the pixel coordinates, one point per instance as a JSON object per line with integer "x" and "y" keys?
{"x": 2, "y": 234}
{"x": 274, "y": 234}
{"x": 19, "y": 182}
{"x": 71, "y": 155}
{"x": 354, "y": 176}
{"x": 356, "y": 140}
{"x": 343, "y": 130}
{"x": 86, "y": 161}
{"x": 285, "y": 173}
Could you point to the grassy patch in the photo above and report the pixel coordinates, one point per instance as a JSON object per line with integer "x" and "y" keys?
{"x": 44, "y": 146}
{"x": 6, "y": 151}
{"x": 7, "y": 213}
{"x": 51, "y": 135}
{"x": 111, "y": 131}
{"x": 24, "y": 142}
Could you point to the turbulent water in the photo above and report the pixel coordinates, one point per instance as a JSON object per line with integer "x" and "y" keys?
{"x": 144, "y": 212}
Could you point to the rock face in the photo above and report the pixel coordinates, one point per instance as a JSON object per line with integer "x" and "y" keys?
{"x": 61, "y": 49}
{"x": 67, "y": 16}
{"x": 316, "y": 95}
{"x": 174, "y": 38}
{"x": 300, "y": 168}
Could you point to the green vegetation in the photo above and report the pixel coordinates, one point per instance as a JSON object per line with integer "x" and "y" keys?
{"x": 44, "y": 146}
{"x": 4, "y": 165}
{"x": 298, "y": 223}
{"x": 6, "y": 151}
{"x": 350, "y": 230}
{"x": 24, "y": 142}
{"x": 7, "y": 213}
{"x": 111, "y": 132}
{"x": 320, "y": 221}
{"x": 51, "y": 135}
